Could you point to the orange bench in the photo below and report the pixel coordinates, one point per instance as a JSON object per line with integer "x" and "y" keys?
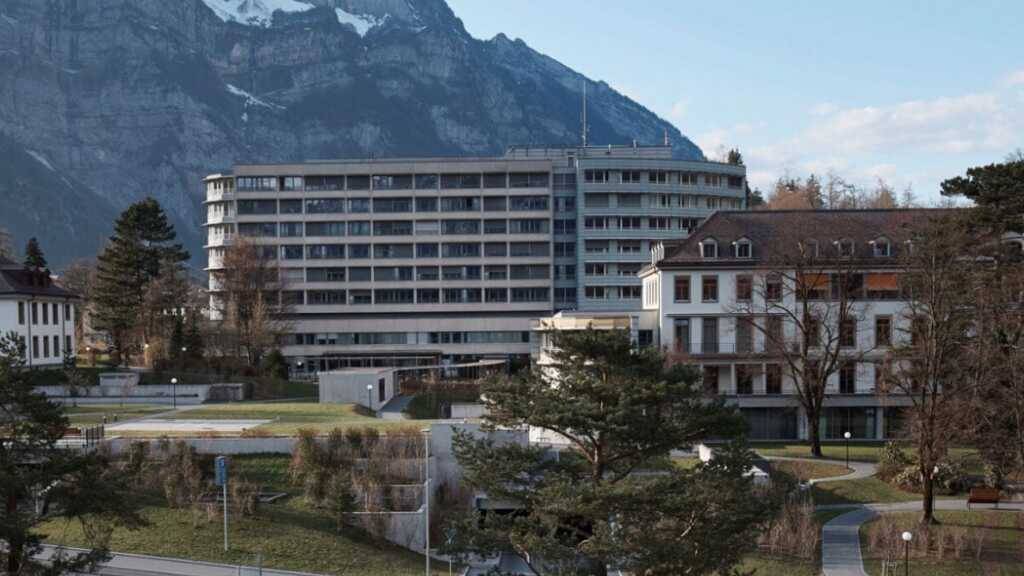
{"x": 983, "y": 495}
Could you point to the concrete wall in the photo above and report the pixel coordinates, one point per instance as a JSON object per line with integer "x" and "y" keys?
{"x": 350, "y": 387}
{"x": 467, "y": 411}
{"x": 227, "y": 446}
{"x": 153, "y": 394}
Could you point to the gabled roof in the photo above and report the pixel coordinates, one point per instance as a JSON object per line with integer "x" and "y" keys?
{"x": 16, "y": 280}
{"x": 775, "y": 234}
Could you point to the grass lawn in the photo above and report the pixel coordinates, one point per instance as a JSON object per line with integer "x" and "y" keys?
{"x": 859, "y": 451}
{"x": 289, "y": 417}
{"x": 1001, "y": 552}
{"x": 802, "y": 471}
{"x": 288, "y": 534}
{"x": 765, "y": 565}
{"x": 92, "y": 414}
{"x": 860, "y": 491}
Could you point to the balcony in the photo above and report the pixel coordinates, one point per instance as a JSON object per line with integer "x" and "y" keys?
{"x": 731, "y": 348}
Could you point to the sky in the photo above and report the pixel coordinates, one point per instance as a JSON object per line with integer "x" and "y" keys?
{"x": 911, "y": 92}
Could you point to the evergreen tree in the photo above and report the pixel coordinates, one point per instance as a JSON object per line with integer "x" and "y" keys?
{"x": 81, "y": 485}
{"x": 597, "y": 504}
{"x": 178, "y": 339}
{"x": 997, "y": 190}
{"x": 142, "y": 240}
{"x": 194, "y": 336}
{"x": 34, "y": 259}
{"x": 734, "y": 157}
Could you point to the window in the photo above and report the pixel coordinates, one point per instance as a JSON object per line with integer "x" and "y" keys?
{"x": 291, "y": 229}
{"x": 528, "y": 226}
{"x": 256, "y": 183}
{"x": 360, "y": 297}
{"x": 595, "y": 176}
{"x": 428, "y": 273}
{"x": 359, "y": 205}
{"x": 290, "y": 206}
{"x": 496, "y": 272}
{"x": 645, "y": 338}
{"x": 918, "y": 329}
{"x": 709, "y": 335}
{"x": 46, "y": 345}
{"x": 392, "y": 182}
{"x": 496, "y": 294}
{"x": 358, "y": 228}
{"x": 460, "y": 204}
{"x": 595, "y": 292}
{"x": 325, "y": 228}
{"x": 883, "y": 374}
{"x": 659, "y": 223}
{"x": 35, "y": 346}
{"x": 848, "y": 378}
{"x": 629, "y": 201}
{"x": 529, "y": 272}
{"x": 595, "y": 200}
{"x": 883, "y": 331}
{"x": 844, "y": 247}
{"x": 881, "y": 248}
{"x": 389, "y": 251}
{"x": 773, "y": 379}
{"x": 594, "y": 269}
{"x": 498, "y": 249}
{"x": 392, "y": 274}
{"x": 427, "y": 251}
{"x": 46, "y": 314}
{"x": 595, "y": 223}
{"x": 392, "y": 228}
{"x": 630, "y": 292}
{"x": 564, "y": 181}
{"x": 392, "y": 205}
{"x": 54, "y": 315}
{"x": 744, "y": 287}
{"x": 628, "y": 269}
{"x": 460, "y": 272}
{"x": 359, "y": 274}
{"x": 744, "y": 336}
{"x": 527, "y": 203}
{"x": 257, "y": 229}
{"x": 21, "y": 313}
{"x": 530, "y": 295}
{"x": 325, "y": 274}
{"x": 528, "y": 180}
{"x": 67, "y": 346}
{"x": 743, "y": 249}
{"x": 848, "y": 333}
{"x": 657, "y": 177}
{"x": 812, "y": 331}
{"x": 682, "y": 288}
{"x": 773, "y": 332}
{"x": 249, "y": 207}
{"x": 426, "y": 181}
{"x": 358, "y": 251}
{"x": 426, "y": 204}
{"x": 709, "y": 377}
{"x": 681, "y": 335}
{"x": 709, "y": 249}
{"x": 744, "y": 379}
{"x": 453, "y": 181}
{"x": 394, "y": 296}
{"x": 773, "y": 288}
{"x": 449, "y": 227}
{"x": 630, "y": 176}
{"x": 529, "y": 249}
{"x": 358, "y": 182}
{"x": 67, "y": 312}
{"x": 460, "y": 250}
{"x": 324, "y": 251}
{"x": 325, "y": 297}
{"x": 428, "y": 296}
{"x": 629, "y": 246}
{"x": 495, "y": 204}
{"x": 495, "y": 180}
{"x": 565, "y": 226}
{"x": 735, "y": 182}
{"x": 882, "y": 286}
{"x": 709, "y": 289}
{"x": 428, "y": 227}
{"x": 565, "y": 249}
{"x": 499, "y": 226}
{"x": 461, "y": 295}
{"x": 322, "y": 183}
{"x": 325, "y": 205}
{"x": 596, "y": 246}
{"x": 712, "y": 180}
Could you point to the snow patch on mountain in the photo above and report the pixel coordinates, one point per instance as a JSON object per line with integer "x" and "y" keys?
{"x": 254, "y": 12}
{"x": 41, "y": 159}
{"x": 361, "y": 22}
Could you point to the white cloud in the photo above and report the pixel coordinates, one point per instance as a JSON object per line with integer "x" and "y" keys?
{"x": 824, "y": 109}
{"x": 1014, "y": 78}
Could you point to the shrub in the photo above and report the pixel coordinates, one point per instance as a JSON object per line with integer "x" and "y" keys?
{"x": 950, "y": 478}
{"x": 892, "y": 461}
{"x": 794, "y": 531}
{"x": 273, "y": 364}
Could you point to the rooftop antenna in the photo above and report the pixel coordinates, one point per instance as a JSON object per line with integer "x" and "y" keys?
{"x": 584, "y": 113}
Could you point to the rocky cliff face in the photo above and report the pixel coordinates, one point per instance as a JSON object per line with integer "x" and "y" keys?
{"x": 103, "y": 102}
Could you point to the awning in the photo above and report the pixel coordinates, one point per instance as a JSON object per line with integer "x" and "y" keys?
{"x": 814, "y": 281}
{"x": 882, "y": 282}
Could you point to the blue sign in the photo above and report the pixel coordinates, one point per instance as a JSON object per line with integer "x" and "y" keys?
{"x": 220, "y": 466}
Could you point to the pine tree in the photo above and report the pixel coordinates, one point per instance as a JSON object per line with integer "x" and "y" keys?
{"x": 178, "y": 339}
{"x": 34, "y": 259}
{"x": 142, "y": 240}
{"x": 80, "y": 485}
{"x": 194, "y": 337}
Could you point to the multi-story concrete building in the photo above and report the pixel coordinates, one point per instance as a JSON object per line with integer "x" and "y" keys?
{"x": 405, "y": 261}
{"x": 727, "y": 300}
{"x": 41, "y": 313}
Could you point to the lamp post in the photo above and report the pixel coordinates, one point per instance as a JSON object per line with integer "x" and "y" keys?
{"x": 174, "y": 391}
{"x": 426, "y": 497}
{"x": 907, "y": 537}
{"x": 369, "y": 396}
{"x": 847, "y": 436}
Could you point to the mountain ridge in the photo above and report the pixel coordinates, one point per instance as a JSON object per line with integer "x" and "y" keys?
{"x": 129, "y": 98}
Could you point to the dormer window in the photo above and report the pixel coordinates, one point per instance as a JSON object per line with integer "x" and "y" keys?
{"x": 844, "y": 247}
{"x": 881, "y": 248}
{"x": 709, "y": 248}
{"x": 809, "y": 248}
{"x": 743, "y": 248}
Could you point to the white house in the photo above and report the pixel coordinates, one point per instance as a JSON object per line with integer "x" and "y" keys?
{"x": 735, "y": 280}
{"x": 39, "y": 311}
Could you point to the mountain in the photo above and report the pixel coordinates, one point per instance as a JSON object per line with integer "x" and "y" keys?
{"x": 103, "y": 102}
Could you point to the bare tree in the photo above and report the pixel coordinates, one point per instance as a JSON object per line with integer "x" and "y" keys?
{"x": 6, "y": 244}
{"x": 79, "y": 277}
{"x": 808, "y": 304}
{"x": 248, "y": 297}
{"x": 937, "y": 363}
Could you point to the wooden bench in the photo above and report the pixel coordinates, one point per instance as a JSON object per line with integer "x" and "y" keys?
{"x": 71, "y": 431}
{"x": 982, "y": 495}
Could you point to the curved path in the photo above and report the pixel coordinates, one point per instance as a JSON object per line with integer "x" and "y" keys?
{"x": 840, "y": 537}
{"x": 859, "y": 469}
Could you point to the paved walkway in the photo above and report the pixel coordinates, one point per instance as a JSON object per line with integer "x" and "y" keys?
{"x": 860, "y": 469}
{"x": 840, "y": 537}
{"x": 141, "y": 565}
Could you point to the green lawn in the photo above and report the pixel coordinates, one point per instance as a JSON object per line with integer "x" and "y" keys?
{"x": 288, "y": 534}
{"x": 859, "y": 451}
{"x": 764, "y": 565}
{"x": 860, "y": 491}
{"x": 290, "y": 417}
{"x": 802, "y": 470}
{"x": 1001, "y": 553}
{"x": 93, "y": 414}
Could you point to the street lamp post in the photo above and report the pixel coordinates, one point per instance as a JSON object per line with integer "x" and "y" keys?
{"x": 847, "y": 436}
{"x": 369, "y": 396}
{"x": 907, "y": 537}
{"x": 426, "y": 497}
{"x": 174, "y": 391}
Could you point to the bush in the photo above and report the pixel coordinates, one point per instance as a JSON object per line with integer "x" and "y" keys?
{"x": 892, "y": 461}
{"x": 274, "y": 365}
{"x": 950, "y": 478}
{"x": 794, "y": 531}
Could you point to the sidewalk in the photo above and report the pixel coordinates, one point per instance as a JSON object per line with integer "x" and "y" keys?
{"x": 141, "y": 565}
